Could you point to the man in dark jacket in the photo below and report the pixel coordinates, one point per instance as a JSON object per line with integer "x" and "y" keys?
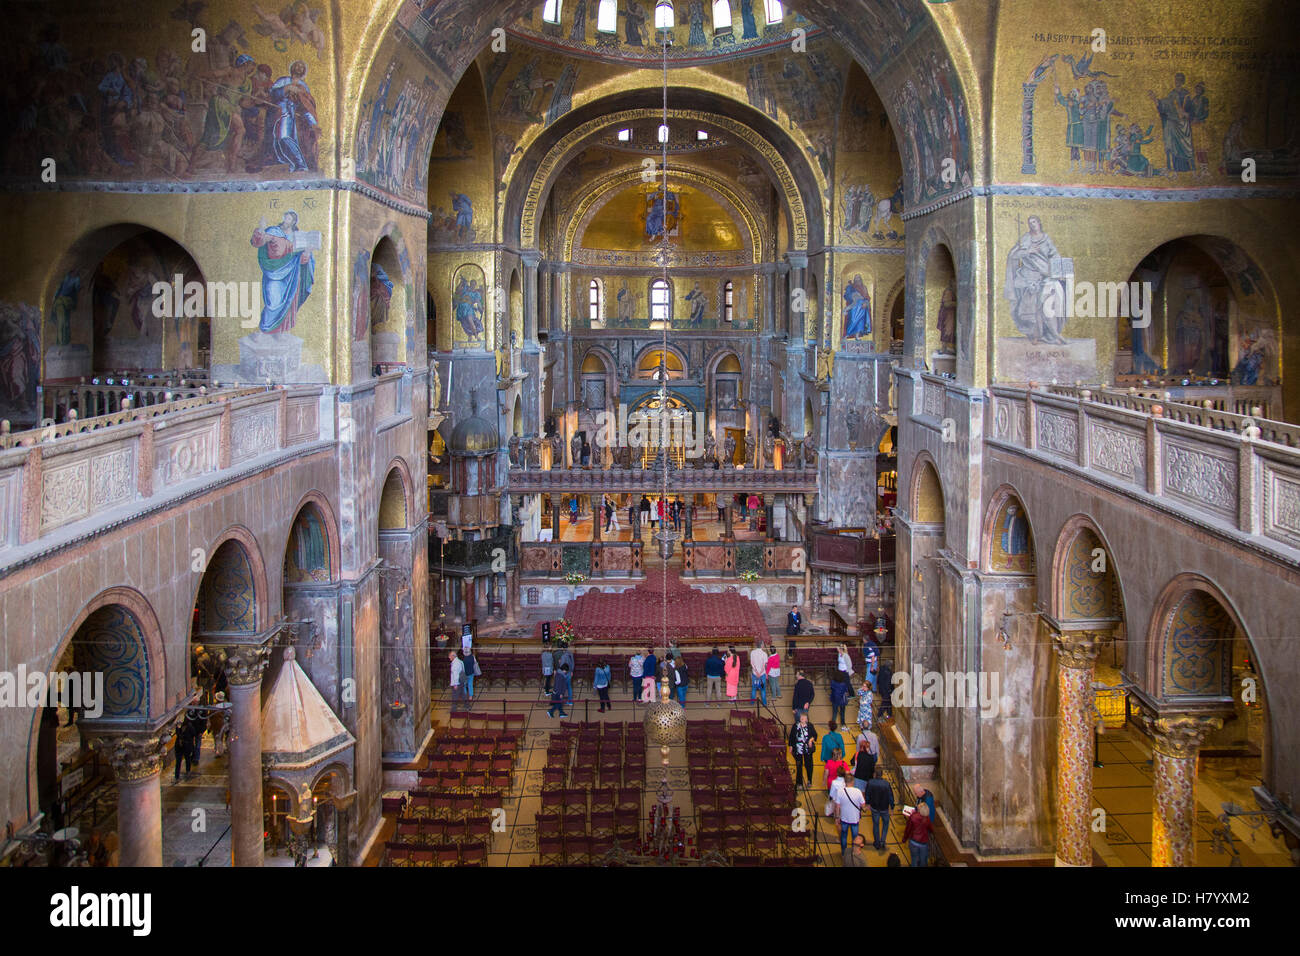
{"x": 649, "y": 675}
{"x": 885, "y": 685}
{"x": 793, "y": 622}
{"x": 803, "y": 694}
{"x": 840, "y": 691}
{"x": 714, "y": 670}
{"x": 880, "y": 797}
{"x": 560, "y": 692}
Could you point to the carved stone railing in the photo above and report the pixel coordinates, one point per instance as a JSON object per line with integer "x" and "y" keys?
{"x": 107, "y": 395}
{"x": 1180, "y": 410}
{"x": 1190, "y": 461}
{"x": 582, "y": 480}
{"x": 71, "y": 474}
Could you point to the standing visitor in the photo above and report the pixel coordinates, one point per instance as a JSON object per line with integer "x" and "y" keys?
{"x": 843, "y": 661}
{"x": 864, "y": 703}
{"x": 885, "y": 683}
{"x": 925, "y": 796}
{"x": 457, "y": 678}
{"x": 804, "y": 693}
{"x": 773, "y": 671}
{"x": 831, "y": 742}
{"x": 864, "y": 764}
{"x": 839, "y": 695}
{"x": 793, "y": 622}
{"x": 548, "y": 669}
{"x": 836, "y": 767}
{"x": 659, "y": 511}
{"x": 849, "y": 801}
{"x": 918, "y": 830}
{"x": 681, "y": 679}
{"x": 649, "y": 668}
{"x": 732, "y": 669}
{"x": 560, "y": 693}
{"x": 634, "y": 666}
{"x": 601, "y": 683}
{"x": 573, "y": 510}
{"x": 471, "y": 671}
{"x": 758, "y": 673}
{"x": 880, "y": 796}
{"x": 714, "y": 670}
{"x": 645, "y": 511}
{"x": 803, "y": 735}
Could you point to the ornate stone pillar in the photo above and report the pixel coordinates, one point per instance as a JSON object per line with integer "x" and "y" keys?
{"x": 597, "y": 518}
{"x": 244, "y": 668}
{"x": 555, "y": 518}
{"x": 530, "y": 258}
{"x": 862, "y": 597}
{"x": 136, "y": 760}
{"x": 769, "y": 517}
{"x": 1176, "y": 739}
{"x": 1076, "y": 655}
{"x": 688, "y": 530}
{"x": 726, "y": 519}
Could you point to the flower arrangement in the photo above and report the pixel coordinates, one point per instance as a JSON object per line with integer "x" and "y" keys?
{"x": 574, "y": 577}
{"x": 749, "y": 575}
{"x": 563, "y": 635}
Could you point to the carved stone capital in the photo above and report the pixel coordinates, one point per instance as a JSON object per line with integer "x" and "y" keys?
{"x": 245, "y": 664}
{"x": 135, "y": 756}
{"x": 1076, "y": 648}
{"x": 1179, "y": 735}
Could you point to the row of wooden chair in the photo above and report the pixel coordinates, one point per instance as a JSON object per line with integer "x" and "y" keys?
{"x": 442, "y": 854}
{"x": 603, "y": 824}
{"x": 451, "y": 804}
{"x": 465, "y": 780}
{"x": 574, "y": 800}
{"x": 424, "y": 830}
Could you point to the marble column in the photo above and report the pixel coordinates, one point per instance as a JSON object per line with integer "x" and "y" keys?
{"x": 244, "y": 668}
{"x": 688, "y": 530}
{"x": 597, "y": 518}
{"x": 136, "y": 760}
{"x": 1175, "y": 741}
{"x": 555, "y": 517}
{"x": 726, "y": 516}
{"x": 769, "y": 517}
{"x": 531, "y": 258}
{"x": 1076, "y": 656}
{"x": 862, "y": 597}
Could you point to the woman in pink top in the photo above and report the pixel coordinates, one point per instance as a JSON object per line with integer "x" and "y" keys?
{"x": 731, "y": 668}
{"x": 773, "y": 672}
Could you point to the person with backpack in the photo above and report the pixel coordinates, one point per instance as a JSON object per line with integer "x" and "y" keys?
{"x": 548, "y": 669}
{"x": 839, "y": 695}
{"x": 849, "y": 801}
{"x": 714, "y": 670}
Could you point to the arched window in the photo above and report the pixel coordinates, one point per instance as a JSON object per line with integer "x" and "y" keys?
{"x": 721, "y": 14}
{"x": 728, "y": 300}
{"x": 775, "y": 11}
{"x": 660, "y": 301}
{"x": 664, "y": 17}
{"x": 595, "y": 303}
{"x": 607, "y": 16}
{"x": 551, "y": 11}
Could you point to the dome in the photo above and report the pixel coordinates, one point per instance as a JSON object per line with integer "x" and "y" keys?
{"x": 474, "y": 436}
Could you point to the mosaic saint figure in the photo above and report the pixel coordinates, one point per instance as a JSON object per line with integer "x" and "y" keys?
{"x": 287, "y": 275}
{"x": 1029, "y": 269}
{"x": 634, "y": 28}
{"x": 857, "y": 309}
{"x": 468, "y": 302}
{"x": 1015, "y": 532}
{"x": 294, "y": 137}
{"x": 1073, "y": 126}
{"x": 699, "y": 302}
{"x": 1175, "y": 114}
{"x": 65, "y": 300}
{"x": 947, "y": 319}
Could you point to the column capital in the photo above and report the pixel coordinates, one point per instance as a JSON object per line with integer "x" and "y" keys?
{"x": 1179, "y": 735}
{"x": 136, "y": 756}
{"x": 245, "y": 663}
{"x": 1076, "y": 648}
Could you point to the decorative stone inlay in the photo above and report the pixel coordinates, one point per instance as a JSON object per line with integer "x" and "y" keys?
{"x": 136, "y": 756}
{"x": 65, "y": 494}
{"x": 112, "y": 478}
{"x": 1119, "y": 452}
{"x": 303, "y": 420}
{"x": 254, "y": 434}
{"x": 245, "y": 663}
{"x": 1201, "y": 477}
{"x": 933, "y": 398}
{"x": 1058, "y": 434}
{"x": 184, "y": 457}
{"x": 1282, "y": 506}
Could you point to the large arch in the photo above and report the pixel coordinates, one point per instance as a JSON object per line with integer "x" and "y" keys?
{"x": 240, "y": 537}
{"x": 1002, "y": 535}
{"x": 1073, "y": 558}
{"x": 453, "y": 32}
{"x": 130, "y": 604}
{"x": 317, "y": 502}
{"x": 395, "y": 499}
{"x": 926, "y": 502}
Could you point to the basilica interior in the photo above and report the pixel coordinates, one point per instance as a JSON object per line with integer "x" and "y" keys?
{"x": 940, "y": 338}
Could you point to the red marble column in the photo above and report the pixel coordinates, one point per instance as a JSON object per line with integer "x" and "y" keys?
{"x": 1076, "y": 657}
{"x": 244, "y": 669}
{"x": 136, "y": 760}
